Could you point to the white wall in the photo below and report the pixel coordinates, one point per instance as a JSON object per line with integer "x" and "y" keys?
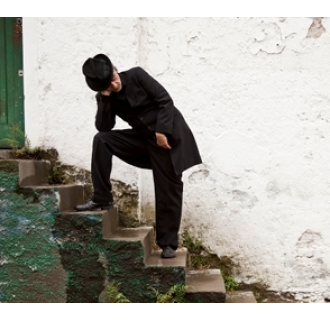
{"x": 255, "y": 93}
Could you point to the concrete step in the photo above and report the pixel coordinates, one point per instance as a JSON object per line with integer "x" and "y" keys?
{"x": 152, "y": 258}
{"x": 180, "y": 260}
{"x": 109, "y": 219}
{"x": 144, "y": 234}
{"x": 109, "y": 222}
{"x": 68, "y": 195}
{"x": 205, "y": 286}
{"x": 240, "y": 297}
{"x": 33, "y": 172}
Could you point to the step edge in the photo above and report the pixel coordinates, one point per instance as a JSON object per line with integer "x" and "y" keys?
{"x": 192, "y": 289}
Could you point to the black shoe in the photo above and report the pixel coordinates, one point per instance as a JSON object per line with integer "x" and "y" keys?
{"x": 91, "y": 205}
{"x": 168, "y": 252}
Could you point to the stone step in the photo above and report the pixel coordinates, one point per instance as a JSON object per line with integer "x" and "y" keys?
{"x": 144, "y": 234}
{"x": 107, "y": 218}
{"x": 33, "y": 172}
{"x": 32, "y": 175}
{"x": 180, "y": 260}
{"x": 152, "y": 258}
{"x": 205, "y": 286}
{"x": 202, "y": 286}
{"x": 109, "y": 222}
{"x": 68, "y": 196}
{"x": 240, "y": 297}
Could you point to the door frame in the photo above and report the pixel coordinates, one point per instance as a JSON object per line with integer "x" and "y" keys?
{"x": 32, "y": 107}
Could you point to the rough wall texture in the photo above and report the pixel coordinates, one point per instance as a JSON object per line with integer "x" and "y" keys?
{"x": 255, "y": 93}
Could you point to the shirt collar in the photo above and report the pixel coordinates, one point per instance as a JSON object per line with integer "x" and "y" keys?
{"x": 123, "y": 79}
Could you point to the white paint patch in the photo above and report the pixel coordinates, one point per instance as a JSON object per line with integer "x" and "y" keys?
{"x": 236, "y": 153}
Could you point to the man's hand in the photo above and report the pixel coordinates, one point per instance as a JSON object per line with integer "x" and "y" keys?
{"x": 106, "y": 92}
{"x": 114, "y": 86}
{"x": 161, "y": 140}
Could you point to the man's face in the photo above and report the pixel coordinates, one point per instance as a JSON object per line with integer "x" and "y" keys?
{"x": 115, "y": 84}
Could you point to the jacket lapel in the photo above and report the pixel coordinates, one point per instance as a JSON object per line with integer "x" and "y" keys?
{"x": 130, "y": 91}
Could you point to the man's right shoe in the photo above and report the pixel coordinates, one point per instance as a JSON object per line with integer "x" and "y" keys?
{"x": 168, "y": 253}
{"x": 91, "y": 205}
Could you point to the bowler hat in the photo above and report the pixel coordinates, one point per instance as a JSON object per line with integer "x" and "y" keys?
{"x": 98, "y": 72}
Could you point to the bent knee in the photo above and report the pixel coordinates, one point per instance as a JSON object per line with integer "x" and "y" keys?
{"x": 103, "y": 135}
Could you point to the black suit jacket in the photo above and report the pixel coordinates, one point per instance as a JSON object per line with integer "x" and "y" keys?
{"x": 154, "y": 107}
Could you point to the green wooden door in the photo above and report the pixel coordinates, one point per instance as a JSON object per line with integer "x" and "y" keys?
{"x": 11, "y": 83}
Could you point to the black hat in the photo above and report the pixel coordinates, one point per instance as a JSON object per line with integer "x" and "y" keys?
{"x": 98, "y": 72}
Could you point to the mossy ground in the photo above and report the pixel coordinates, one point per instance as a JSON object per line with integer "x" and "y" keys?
{"x": 27, "y": 249}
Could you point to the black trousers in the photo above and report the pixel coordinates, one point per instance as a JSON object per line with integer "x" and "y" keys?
{"x": 141, "y": 150}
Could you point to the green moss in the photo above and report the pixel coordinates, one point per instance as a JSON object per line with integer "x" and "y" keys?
{"x": 125, "y": 266}
{"x": 9, "y": 166}
{"x": 27, "y": 249}
{"x": 8, "y": 181}
{"x": 79, "y": 238}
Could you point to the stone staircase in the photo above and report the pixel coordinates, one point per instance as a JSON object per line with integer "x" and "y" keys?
{"x": 92, "y": 251}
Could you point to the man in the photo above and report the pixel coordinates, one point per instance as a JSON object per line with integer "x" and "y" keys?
{"x": 159, "y": 139}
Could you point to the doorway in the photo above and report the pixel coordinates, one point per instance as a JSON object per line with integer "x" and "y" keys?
{"x": 11, "y": 83}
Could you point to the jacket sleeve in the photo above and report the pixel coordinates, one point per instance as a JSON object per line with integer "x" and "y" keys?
{"x": 162, "y": 98}
{"x": 105, "y": 117}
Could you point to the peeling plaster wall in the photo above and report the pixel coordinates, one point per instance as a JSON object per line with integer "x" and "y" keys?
{"x": 255, "y": 93}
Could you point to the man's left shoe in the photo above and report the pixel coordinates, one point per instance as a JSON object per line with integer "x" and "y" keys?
{"x": 168, "y": 253}
{"x": 91, "y": 205}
